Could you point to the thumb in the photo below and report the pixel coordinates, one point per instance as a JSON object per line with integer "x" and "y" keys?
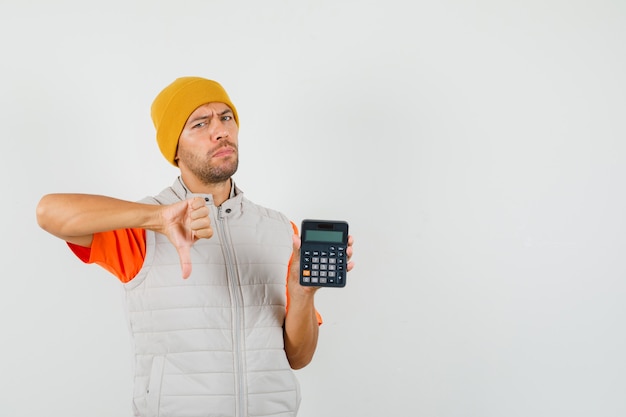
{"x": 295, "y": 256}
{"x": 294, "y": 262}
{"x": 185, "y": 260}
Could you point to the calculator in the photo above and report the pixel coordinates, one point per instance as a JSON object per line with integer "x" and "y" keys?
{"x": 323, "y": 259}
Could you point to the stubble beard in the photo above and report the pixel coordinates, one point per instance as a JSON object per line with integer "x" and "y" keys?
{"x": 207, "y": 173}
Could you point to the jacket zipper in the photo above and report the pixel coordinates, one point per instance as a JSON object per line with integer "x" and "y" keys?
{"x": 231, "y": 274}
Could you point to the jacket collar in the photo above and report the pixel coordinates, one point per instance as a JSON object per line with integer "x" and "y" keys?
{"x": 235, "y": 199}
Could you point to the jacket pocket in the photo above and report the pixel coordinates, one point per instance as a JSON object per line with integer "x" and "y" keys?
{"x": 153, "y": 394}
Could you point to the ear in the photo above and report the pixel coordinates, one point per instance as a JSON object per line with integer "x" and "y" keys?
{"x": 176, "y": 157}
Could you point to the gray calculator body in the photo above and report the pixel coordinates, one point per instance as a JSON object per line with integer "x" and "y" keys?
{"x": 323, "y": 259}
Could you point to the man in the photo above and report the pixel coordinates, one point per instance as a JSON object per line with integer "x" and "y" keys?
{"x": 223, "y": 339}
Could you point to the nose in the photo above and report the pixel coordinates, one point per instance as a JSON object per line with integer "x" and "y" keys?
{"x": 219, "y": 131}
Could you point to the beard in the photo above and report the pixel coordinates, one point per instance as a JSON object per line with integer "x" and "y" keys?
{"x": 207, "y": 172}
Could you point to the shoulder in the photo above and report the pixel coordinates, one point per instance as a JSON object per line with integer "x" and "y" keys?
{"x": 265, "y": 212}
{"x": 168, "y": 195}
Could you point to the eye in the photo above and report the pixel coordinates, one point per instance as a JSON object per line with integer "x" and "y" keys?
{"x": 198, "y": 125}
{"x": 227, "y": 118}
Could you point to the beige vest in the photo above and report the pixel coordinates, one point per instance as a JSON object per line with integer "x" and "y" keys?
{"x": 212, "y": 345}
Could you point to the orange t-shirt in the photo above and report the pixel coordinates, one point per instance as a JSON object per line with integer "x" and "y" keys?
{"x": 122, "y": 252}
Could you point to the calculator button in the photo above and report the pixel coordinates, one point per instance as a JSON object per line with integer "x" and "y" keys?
{"x": 325, "y": 265}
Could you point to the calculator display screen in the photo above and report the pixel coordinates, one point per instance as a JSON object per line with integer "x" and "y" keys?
{"x": 323, "y": 236}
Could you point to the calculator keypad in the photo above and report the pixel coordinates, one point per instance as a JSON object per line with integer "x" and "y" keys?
{"x": 323, "y": 265}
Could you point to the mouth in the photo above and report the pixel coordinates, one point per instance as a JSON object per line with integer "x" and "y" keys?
{"x": 223, "y": 151}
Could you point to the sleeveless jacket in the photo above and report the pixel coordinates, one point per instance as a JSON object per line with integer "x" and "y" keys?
{"x": 212, "y": 344}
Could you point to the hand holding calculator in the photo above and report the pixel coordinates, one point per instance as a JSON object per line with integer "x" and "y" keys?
{"x": 323, "y": 259}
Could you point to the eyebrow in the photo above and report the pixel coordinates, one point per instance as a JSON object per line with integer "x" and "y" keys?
{"x": 206, "y": 116}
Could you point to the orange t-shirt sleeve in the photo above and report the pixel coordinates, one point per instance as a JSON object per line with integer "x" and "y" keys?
{"x": 319, "y": 316}
{"x": 121, "y": 252}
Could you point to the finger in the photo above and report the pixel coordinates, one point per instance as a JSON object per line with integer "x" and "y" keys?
{"x": 202, "y": 227}
{"x": 349, "y": 249}
{"x": 349, "y": 252}
{"x": 201, "y": 223}
{"x": 197, "y": 202}
{"x": 199, "y": 212}
{"x": 203, "y": 232}
{"x": 350, "y": 266}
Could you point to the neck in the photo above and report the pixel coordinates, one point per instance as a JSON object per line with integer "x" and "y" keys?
{"x": 219, "y": 190}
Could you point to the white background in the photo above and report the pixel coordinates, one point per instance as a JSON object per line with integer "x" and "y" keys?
{"x": 477, "y": 150}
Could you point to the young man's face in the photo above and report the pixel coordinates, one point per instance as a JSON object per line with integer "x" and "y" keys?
{"x": 208, "y": 144}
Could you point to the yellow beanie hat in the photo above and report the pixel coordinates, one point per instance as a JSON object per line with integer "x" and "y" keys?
{"x": 172, "y": 107}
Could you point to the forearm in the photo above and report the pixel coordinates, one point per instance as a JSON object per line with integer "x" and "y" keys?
{"x": 301, "y": 330}
{"x": 76, "y": 217}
